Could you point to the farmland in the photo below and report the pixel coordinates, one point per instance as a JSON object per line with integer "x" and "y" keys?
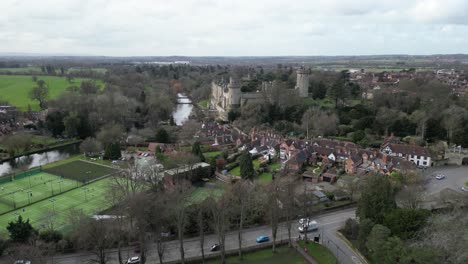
{"x": 14, "y": 89}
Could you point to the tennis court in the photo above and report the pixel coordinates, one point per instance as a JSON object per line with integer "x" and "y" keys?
{"x": 27, "y": 190}
{"x": 89, "y": 199}
{"x": 82, "y": 171}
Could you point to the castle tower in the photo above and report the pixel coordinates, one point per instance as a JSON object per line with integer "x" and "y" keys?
{"x": 234, "y": 93}
{"x": 302, "y": 82}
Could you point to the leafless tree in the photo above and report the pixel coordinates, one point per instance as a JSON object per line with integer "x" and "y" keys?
{"x": 241, "y": 195}
{"x": 274, "y": 208}
{"x": 179, "y": 197}
{"x": 287, "y": 197}
{"x": 220, "y": 212}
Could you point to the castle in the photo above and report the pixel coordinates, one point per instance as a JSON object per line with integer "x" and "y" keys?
{"x": 228, "y": 96}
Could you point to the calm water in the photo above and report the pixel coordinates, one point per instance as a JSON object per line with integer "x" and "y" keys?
{"x": 34, "y": 160}
{"x": 183, "y": 110}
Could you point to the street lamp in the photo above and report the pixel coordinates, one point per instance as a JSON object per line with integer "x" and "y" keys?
{"x": 60, "y": 185}
{"x": 29, "y": 196}
{"x": 51, "y": 187}
{"x": 85, "y": 189}
{"x": 14, "y": 201}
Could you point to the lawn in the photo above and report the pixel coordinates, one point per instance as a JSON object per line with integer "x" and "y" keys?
{"x": 31, "y": 189}
{"x": 14, "y": 89}
{"x": 265, "y": 256}
{"x": 82, "y": 171}
{"x": 320, "y": 253}
{"x": 262, "y": 178}
{"x": 204, "y": 190}
{"x": 89, "y": 199}
{"x": 212, "y": 154}
{"x": 204, "y": 104}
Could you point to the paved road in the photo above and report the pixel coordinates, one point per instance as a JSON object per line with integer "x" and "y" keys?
{"x": 328, "y": 225}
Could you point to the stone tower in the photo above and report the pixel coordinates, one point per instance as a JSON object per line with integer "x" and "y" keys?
{"x": 302, "y": 82}
{"x": 234, "y": 93}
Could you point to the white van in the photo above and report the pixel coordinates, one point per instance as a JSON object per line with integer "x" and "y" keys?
{"x": 308, "y": 227}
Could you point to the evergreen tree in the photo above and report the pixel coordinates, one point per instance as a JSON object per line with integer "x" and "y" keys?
{"x": 377, "y": 199}
{"x": 162, "y": 136}
{"x": 196, "y": 150}
{"x": 20, "y": 231}
{"x": 246, "y": 166}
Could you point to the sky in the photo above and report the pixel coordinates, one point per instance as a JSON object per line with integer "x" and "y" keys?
{"x": 234, "y": 28}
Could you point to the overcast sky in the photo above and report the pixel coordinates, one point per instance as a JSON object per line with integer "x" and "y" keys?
{"x": 234, "y": 28}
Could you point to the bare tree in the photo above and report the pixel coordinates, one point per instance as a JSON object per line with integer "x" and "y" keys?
{"x": 287, "y": 198}
{"x": 274, "y": 207}
{"x": 179, "y": 196}
{"x": 241, "y": 194}
{"x": 220, "y": 210}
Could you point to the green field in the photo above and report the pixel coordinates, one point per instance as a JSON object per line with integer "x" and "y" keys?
{"x": 31, "y": 189}
{"x": 284, "y": 255}
{"x": 81, "y": 171}
{"x": 262, "y": 178}
{"x": 89, "y": 199}
{"x": 210, "y": 189}
{"x": 320, "y": 253}
{"x": 14, "y": 89}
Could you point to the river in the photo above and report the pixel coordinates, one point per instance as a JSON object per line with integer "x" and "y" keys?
{"x": 183, "y": 109}
{"x": 38, "y": 159}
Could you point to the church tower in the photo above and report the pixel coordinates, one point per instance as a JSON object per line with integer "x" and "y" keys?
{"x": 302, "y": 82}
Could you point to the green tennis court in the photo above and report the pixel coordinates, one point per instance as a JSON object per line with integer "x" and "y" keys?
{"x": 30, "y": 189}
{"x": 88, "y": 199}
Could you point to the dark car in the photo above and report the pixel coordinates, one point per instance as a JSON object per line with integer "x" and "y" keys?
{"x": 215, "y": 247}
{"x": 262, "y": 239}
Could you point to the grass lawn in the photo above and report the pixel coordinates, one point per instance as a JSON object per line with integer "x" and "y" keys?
{"x": 88, "y": 199}
{"x": 204, "y": 104}
{"x": 212, "y": 154}
{"x": 31, "y": 189}
{"x": 284, "y": 255}
{"x": 320, "y": 253}
{"x": 81, "y": 171}
{"x": 14, "y": 89}
{"x": 209, "y": 189}
{"x": 274, "y": 166}
{"x": 264, "y": 177}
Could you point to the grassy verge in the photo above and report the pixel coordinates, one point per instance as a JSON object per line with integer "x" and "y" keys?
{"x": 320, "y": 253}
{"x": 282, "y": 256}
{"x": 212, "y": 154}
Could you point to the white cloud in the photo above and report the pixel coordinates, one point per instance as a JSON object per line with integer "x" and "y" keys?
{"x": 234, "y": 27}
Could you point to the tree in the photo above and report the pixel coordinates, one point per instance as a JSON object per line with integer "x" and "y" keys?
{"x": 338, "y": 90}
{"x": 189, "y": 130}
{"x": 162, "y": 136}
{"x": 420, "y": 117}
{"x": 273, "y": 203}
{"x": 17, "y": 143}
{"x": 88, "y": 87}
{"x": 54, "y": 123}
{"x": 112, "y": 151}
{"x": 453, "y": 119}
{"x": 317, "y": 122}
{"x": 95, "y": 235}
{"x": 220, "y": 212}
{"x": 404, "y": 223}
{"x": 365, "y": 227}
{"x": 288, "y": 202}
{"x": 40, "y": 93}
{"x": 377, "y": 198}
{"x": 196, "y": 150}
{"x": 240, "y": 194}
{"x": 72, "y": 123}
{"x": 20, "y": 230}
{"x": 319, "y": 90}
{"x": 376, "y": 242}
{"x": 110, "y": 133}
{"x": 246, "y": 166}
{"x": 90, "y": 146}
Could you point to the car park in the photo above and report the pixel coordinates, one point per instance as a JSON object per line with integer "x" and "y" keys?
{"x": 262, "y": 239}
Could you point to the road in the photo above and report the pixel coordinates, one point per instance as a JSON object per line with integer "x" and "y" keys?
{"x": 328, "y": 225}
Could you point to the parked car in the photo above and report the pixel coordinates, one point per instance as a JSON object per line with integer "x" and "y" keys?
{"x": 440, "y": 176}
{"x": 262, "y": 239}
{"x": 133, "y": 260}
{"x": 464, "y": 188}
{"x": 215, "y": 247}
{"x": 22, "y": 262}
{"x": 311, "y": 226}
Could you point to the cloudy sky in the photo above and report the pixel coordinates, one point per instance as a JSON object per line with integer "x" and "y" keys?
{"x": 234, "y": 28}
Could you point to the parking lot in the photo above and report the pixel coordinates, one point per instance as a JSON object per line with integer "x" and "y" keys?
{"x": 455, "y": 178}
